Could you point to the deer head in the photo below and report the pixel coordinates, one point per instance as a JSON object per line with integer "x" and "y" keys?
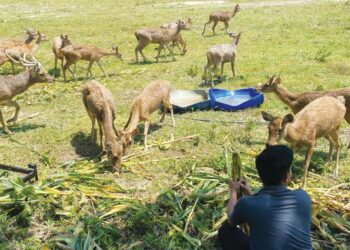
{"x": 117, "y": 54}
{"x": 127, "y": 139}
{"x": 277, "y": 127}
{"x": 114, "y": 154}
{"x": 65, "y": 40}
{"x": 270, "y": 86}
{"x": 188, "y": 22}
{"x": 41, "y": 38}
{"x": 236, "y": 9}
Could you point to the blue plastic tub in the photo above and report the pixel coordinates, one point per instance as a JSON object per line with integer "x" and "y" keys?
{"x": 189, "y": 100}
{"x": 231, "y": 100}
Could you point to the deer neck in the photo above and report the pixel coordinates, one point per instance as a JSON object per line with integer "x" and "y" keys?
{"x": 134, "y": 120}
{"x": 284, "y": 95}
{"x": 106, "y": 53}
{"x": 234, "y": 12}
{"x": 236, "y": 41}
{"x": 291, "y": 134}
{"x": 21, "y": 82}
{"x": 107, "y": 124}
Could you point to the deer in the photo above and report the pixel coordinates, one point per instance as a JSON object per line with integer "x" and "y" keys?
{"x": 31, "y": 36}
{"x": 297, "y": 101}
{"x": 100, "y": 105}
{"x": 155, "y": 95}
{"x": 73, "y": 53}
{"x": 161, "y": 36}
{"x": 221, "y": 54}
{"x": 23, "y": 50}
{"x": 58, "y": 43}
{"x": 320, "y": 118}
{"x": 221, "y": 16}
{"x": 11, "y": 86}
{"x": 179, "y": 40}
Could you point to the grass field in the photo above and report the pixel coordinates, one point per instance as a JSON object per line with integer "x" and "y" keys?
{"x": 306, "y": 42}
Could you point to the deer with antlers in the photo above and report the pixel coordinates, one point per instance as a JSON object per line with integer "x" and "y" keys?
{"x": 161, "y": 36}
{"x": 74, "y": 53}
{"x": 221, "y": 16}
{"x": 11, "y": 86}
{"x": 26, "y": 51}
{"x": 31, "y": 36}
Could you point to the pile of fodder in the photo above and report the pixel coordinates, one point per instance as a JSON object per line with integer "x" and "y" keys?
{"x": 81, "y": 206}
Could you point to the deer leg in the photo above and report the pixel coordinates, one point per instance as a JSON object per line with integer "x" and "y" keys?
{"x": 93, "y": 132}
{"x": 183, "y": 44}
{"x": 101, "y": 135}
{"x": 89, "y": 69}
{"x": 171, "y": 52}
{"x": 145, "y": 132}
{"x": 206, "y": 74}
{"x": 222, "y": 71}
{"x": 335, "y": 138}
{"x": 56, "y": 59}
{"x": 214, "y": 25}
{"x": 212, "y": 73}
{"x": 331, "y": 147}
{"x": 100, "y": 66}
{"x": 205, "y": 26}
{"x": 167, "y": 105}
{"x": 307, "y": 160}
{"x": 67, "y": 66}
{"x": 13, "y": 67}
{"x": 139, "y": 48}
{"x": 226, "y": 26}
{"x": 4, "y": 125}
{"x": 14, "y": 104}
{"x": 233, "y": 68}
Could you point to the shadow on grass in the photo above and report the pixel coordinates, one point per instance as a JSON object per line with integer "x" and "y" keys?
{"x": 217, "y": 81}
{"x": 24, "y": 127}
{"x": 83, "y": 146}
{"x": 55, "y": 72}
{"x": 139, "y": 138}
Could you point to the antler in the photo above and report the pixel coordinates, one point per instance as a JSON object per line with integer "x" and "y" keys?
{"x": 22, "y": 60}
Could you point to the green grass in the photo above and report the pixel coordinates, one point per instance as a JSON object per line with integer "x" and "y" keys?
{"x": 308, "y": 44}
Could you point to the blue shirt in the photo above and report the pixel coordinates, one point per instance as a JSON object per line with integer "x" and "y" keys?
{"x": 279, "y": 218}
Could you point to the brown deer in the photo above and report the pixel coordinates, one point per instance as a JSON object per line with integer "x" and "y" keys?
{"x": 161, "y": 36}
{"x": 297, "y": 101}
{"x": 179, "y": 40}
{"x": 221, "y": 16}
{"x": 320, "y": 118}
{"x": 11, "y": 86}
{"x": 155, "y": 95}
{"x": 58, "y": 43}
{"x": 31, "y": 36}
{"x": 74, "y": 53}
{"x": 218, "y": 55}
{"x": 100, "y": 105}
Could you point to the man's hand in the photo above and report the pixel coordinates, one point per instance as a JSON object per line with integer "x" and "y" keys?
{"x": 245, "y": 188}
{"x": 243, "y": 184}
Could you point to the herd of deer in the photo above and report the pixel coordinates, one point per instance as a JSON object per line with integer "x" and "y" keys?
{"x": 317, "y": 114}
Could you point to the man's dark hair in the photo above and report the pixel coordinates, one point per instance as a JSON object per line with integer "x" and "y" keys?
{"x": 273, "y": 163}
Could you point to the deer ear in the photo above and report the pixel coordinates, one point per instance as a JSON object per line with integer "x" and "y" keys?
{"x": 135, "y": 131}
{"x": 278, "y": 80}
{"x": 288, "y": 118}
{"x": 267, "y": 117}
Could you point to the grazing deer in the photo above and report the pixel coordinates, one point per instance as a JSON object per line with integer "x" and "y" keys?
{"x": 221, "y": 54}
{"x": 11, "y": 86}
{"x": 58, "y": 43}
{"x": 161, "y": 36}
{"x": 100, "y": 105}
{"x": 221, "y": 16}
{"x": 74, "y": 53}
{"x": 23, "y": 50}
{"x": 179, "y": 40}
{"x": 155, "y": 95}
{"x": 320, "y": 118}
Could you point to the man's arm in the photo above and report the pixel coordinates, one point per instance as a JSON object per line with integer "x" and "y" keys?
{"x": 234, "y": 187}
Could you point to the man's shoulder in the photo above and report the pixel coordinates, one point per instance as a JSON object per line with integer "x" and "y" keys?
{"x": 301, "y": 194}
